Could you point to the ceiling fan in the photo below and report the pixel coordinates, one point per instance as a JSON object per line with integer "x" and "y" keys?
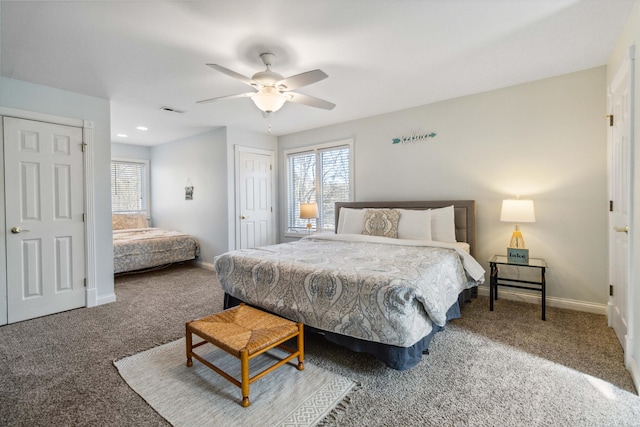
{"x": 273, "y": 90}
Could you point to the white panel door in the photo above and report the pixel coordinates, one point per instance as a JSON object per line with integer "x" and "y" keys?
{"x": 620, "y": 97}
{"x": 44, "y": 177}
{"x": 256, "y": 211}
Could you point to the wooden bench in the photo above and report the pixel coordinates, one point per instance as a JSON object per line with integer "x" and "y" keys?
{"x": 245, "y": 332}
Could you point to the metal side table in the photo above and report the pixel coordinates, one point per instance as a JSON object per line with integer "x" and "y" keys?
{"x": 496, "y": 280}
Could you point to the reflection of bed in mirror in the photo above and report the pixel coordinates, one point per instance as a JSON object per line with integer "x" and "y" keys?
{"x": 385, "y": 283}
{"x": 136, "y": 246}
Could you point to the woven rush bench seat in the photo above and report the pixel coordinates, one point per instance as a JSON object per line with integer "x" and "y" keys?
{"x": 245, "y": 332}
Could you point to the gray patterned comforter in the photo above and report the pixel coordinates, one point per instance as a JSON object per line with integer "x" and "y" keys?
{"x": 139, "y": 248}
{"x": 372, "y": 288}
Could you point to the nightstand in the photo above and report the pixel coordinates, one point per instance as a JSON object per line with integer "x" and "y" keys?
{"x": 496, "y": 280}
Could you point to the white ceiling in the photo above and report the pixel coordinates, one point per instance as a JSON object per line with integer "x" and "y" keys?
{"x": 381, "y": 56}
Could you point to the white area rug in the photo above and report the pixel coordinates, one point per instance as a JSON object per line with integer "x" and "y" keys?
{"x": 197, "y": 396}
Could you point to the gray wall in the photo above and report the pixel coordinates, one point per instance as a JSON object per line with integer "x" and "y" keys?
{"x": 544, "y": 140}
{"x": 202, "y": 159}
{"x": 42, "y": 99}
{"x": 207, "y": 160}
{"x": 128, "y": 151}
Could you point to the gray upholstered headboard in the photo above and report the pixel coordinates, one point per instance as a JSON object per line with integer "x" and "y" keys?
{"x": 465, "y": 214}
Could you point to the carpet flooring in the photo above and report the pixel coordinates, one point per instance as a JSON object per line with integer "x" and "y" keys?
{"x": 505, "y": 367}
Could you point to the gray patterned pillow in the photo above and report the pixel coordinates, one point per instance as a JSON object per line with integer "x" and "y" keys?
{"x": 381, "y": 222}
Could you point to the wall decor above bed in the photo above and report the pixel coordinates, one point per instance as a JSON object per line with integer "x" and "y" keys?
{"x": 414, "y": 137}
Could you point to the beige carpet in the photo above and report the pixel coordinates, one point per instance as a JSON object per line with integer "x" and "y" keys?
{"x": 197, "y": 396}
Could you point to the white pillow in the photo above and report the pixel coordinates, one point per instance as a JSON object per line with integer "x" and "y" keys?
{"x": 443, "y": 226}
{"x": 351, "y": 221}
{"x": 414, "y": 224}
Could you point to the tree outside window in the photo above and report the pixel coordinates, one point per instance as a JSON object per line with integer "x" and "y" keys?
{"x": 321, "y": 174}
{"x": 130, "y": 186}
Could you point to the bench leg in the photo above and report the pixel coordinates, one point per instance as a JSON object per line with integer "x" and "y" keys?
{"x": 244, "y": 372}
{"x": 300, "y": 346}
{"x": 188, "y": 339}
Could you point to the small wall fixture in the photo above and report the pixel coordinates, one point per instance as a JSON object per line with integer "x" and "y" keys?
{"x": 308, "y": 211}
{"x": 188, "y": 190}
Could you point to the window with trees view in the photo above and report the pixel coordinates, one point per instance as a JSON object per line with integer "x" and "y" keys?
{"x": 130, "y": 186}
{"x": 321, "y": 174}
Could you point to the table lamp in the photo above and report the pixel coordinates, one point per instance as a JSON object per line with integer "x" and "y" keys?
{"x": 517, "y": 211}
{"x": 308, "y": 211}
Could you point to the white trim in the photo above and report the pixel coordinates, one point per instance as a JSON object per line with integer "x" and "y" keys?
{"x": 349, "y": 142}
{"x": 633, "y": 287}
{"x": 91, "y": 260}
{"x": 106, "y": 299}
{"x": 626, "y": 68}
{"x": 91, "y": 298}
{"x": 514, "y": 295}
{"x": 236, "y": 215}
{"x": 632, "y": 366}
{"x": 40, "y": 117}
{"x": 206, "y": 265}
{"x": 4, "y": 313}
{"x": 319, "y": 147}
{"x": 610, "y": 313}
{"x": 147, "y": 179}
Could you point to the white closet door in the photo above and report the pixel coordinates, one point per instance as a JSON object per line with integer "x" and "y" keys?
{"x": 45, "y": 231}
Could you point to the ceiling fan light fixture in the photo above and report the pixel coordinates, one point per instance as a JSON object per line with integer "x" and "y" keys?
{"x": 269, "y": 100}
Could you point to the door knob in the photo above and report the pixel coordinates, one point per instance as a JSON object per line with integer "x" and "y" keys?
{"x": 243, "y": 217}
{"x": 17, "y": 230}
{"x": 621, "y": 229}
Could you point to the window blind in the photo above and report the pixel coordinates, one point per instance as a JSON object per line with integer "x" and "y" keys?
{"x": 321, "y": 175}
{"x": 128, "y": 187}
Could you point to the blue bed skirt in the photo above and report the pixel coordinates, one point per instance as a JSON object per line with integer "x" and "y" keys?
{"x": 399, "y": 358}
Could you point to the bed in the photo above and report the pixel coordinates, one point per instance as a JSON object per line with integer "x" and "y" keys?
{"x": 136, "y": 246}
{"x": 379, "y": 285}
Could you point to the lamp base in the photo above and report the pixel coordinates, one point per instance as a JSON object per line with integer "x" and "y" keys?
{"x": 518, "y": 256}
{"x": 517, "y": 241}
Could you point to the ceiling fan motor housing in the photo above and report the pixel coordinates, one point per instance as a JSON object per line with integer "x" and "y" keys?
{"x": 267, "y": 78}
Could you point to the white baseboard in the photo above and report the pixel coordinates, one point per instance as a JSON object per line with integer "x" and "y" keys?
{"x": 106, "y": 299}
{"x": 632, "y": 365}
{"x": 610, "y": 313}
{"x": 206, "y": 265}
{"x": 570, "y": 304}
{"x": 90, "y": 295}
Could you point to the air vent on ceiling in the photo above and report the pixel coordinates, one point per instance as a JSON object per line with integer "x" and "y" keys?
{"x": 172, "y": 110}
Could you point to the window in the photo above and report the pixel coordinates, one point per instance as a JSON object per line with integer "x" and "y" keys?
{"x": 130, "y": 186}
{"x": 321, "y": 174}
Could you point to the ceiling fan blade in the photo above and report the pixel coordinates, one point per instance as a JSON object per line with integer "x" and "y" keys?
{"x": 311, "y": 101}
{"x": 220, "y": 98}
{"x": 300, "y": 80}
{"x": 231, "y": 73}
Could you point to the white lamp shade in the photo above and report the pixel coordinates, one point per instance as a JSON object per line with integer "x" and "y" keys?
{"x": 517, "y": 210}
{"x": 269, "y": 99}
{"x": 308, "y": 210}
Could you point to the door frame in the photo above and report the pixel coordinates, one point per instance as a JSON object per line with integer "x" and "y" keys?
{"x": 91, "y": 297}
{"x": 236, "y": 216}
{"x": 629, "y": 64}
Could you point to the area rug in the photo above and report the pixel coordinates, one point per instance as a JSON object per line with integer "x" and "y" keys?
{"x": 197, "y": 396}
